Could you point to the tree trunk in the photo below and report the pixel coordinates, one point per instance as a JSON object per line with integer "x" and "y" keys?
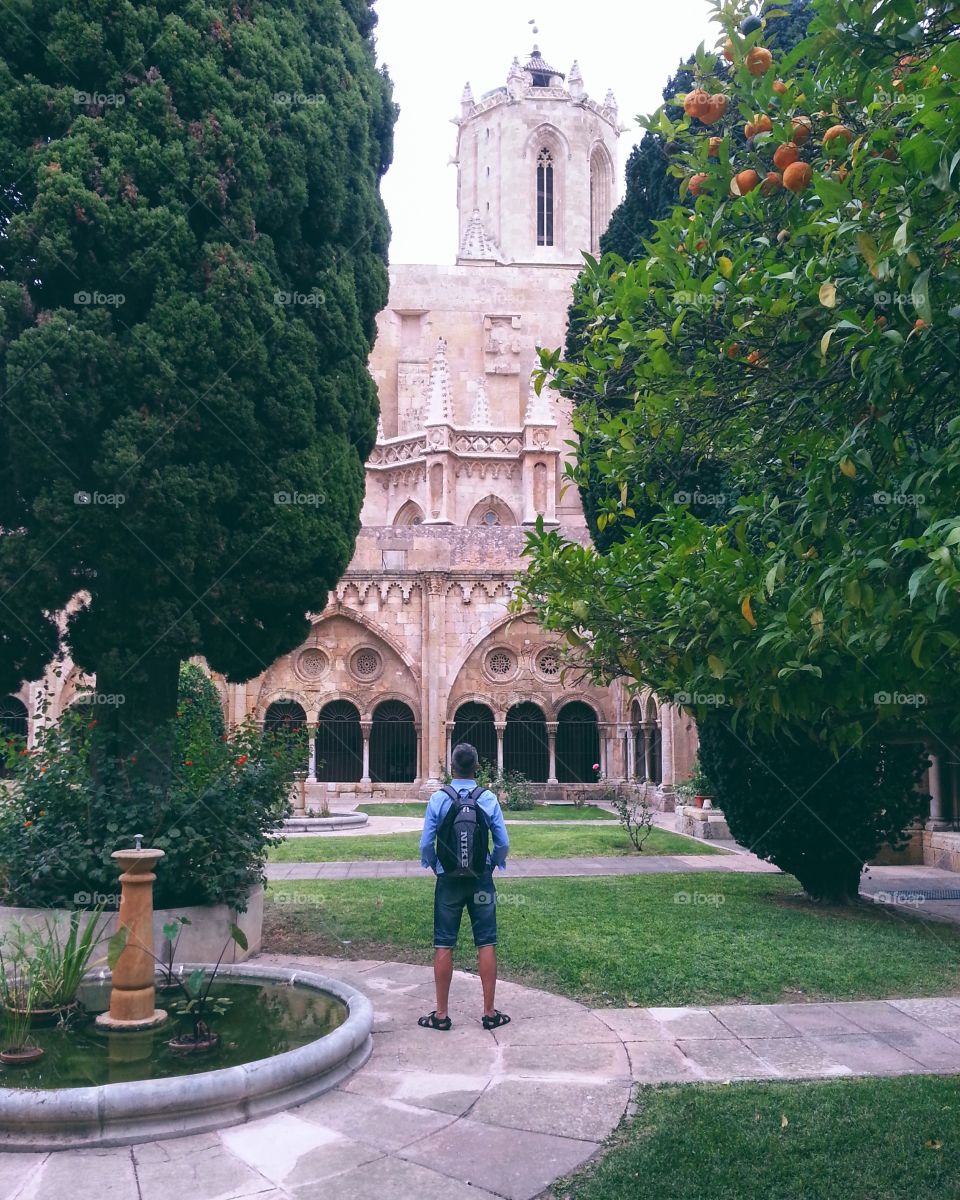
{"x": 135, "y": 710}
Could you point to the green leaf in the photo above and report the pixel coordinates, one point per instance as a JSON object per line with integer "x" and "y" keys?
{"x": 717, "y": 669}
{"x": 116, "y": 946}
{"x": 239, "y": 936}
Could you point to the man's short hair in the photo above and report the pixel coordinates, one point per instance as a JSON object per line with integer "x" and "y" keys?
{"x": 465, "y": 761}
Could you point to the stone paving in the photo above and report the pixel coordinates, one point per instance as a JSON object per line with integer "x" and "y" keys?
{"x": 471, "y": 1115}
{"x": 534, "y": 868}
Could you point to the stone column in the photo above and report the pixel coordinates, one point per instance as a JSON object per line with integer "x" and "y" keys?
{"x": 500, "y": 727}
{"x": 365, "y": 727}
{"x": 937, "y": 821}
{"x": 647, "y": 727}
{"x": 552, "y": 747}
{"x": 631, "y": 752}
{"x": 312, "y": 719}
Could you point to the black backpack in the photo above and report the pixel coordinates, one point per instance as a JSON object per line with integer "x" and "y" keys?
{"x": 463, "y": 840}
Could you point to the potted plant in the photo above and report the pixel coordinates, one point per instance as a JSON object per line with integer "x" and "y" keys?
{"x": 197, "y": 1004}
{"x": 48, "y": 969}
{"x": 18, "y": 1047}
{"x": 701, "y": 786}
{"x": 171, "y": 940}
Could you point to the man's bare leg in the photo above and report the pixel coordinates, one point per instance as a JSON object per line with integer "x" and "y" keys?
{"x": 487, "y": 961}
{"x": 443, "y": 975}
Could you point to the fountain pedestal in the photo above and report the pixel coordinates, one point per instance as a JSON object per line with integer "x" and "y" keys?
{"x": 133, "y": 995}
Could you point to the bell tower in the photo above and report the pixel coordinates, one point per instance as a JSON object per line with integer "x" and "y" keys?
{"x": 537, "y": 168}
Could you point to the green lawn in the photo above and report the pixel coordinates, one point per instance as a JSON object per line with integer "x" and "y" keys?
{"x": 672, "y": 939}
{"x": 538, "y": 841}
{"x": 875, "y": 1139}
{"x": 543, "y": 812}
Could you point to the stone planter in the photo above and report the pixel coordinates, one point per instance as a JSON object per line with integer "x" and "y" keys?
{"x": 201, "y": 941}
{"x": 707, "y": 824}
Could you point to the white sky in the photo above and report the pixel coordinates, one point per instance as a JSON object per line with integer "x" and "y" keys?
{"x": 432, "y": 47}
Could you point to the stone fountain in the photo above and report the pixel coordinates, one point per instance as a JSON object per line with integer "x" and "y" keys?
{"x": 133, "y": 994}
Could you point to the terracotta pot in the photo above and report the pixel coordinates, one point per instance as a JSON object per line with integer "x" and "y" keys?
{"x": 42, "y": 1018}
{"x": 698, "y": 801}
{"x": 21, "y": 1057}
{"x": 186, "y": 1045}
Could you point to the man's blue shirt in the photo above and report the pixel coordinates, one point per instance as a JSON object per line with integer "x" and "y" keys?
{"x": 437, "y": 808}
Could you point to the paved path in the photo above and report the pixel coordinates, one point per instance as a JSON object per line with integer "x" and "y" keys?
{"x": 471, "y": 1115}
{"x": 534, "y": 868}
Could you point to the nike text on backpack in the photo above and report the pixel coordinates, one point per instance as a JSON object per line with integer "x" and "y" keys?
{"x": 463, "y": 838}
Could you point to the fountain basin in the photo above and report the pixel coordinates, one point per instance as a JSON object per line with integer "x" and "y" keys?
{"x": 117, "y": 1114}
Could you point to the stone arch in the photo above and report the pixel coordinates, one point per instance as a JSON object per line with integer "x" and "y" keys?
{"x": 374, "y": 627}
{"x": 480, "y": 638}
{"x": 278, "y": 695}
{"x": 493, "y": 504}
{"x": 409, "y": 513}
{"x": 551, "y": 136}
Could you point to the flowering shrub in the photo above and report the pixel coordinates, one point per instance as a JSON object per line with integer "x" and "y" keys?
{"x": 70, "y": 809}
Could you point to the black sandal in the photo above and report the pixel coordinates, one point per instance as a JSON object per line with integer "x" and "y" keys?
{"x": 496, "y": 1020}
{"x": 432, "y": 1021}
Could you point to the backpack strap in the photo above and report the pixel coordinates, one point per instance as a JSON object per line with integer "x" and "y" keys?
{"x": 449, "y": 789}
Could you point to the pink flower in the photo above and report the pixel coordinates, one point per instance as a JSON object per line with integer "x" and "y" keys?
{"x": 596, "y": 766}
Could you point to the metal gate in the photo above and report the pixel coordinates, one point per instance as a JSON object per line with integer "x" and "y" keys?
{"x": 285, "y": 717}
{"x": 525, "y": 746}
{"x": 578, "y": 743}
{"x": 339, "y": 744}
{"x": 473, "y": 723}
{"x": 13, "y": 728}
{"x": 393, "y": 744}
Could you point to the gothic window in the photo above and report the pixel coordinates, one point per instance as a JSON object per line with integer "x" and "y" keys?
{"x": 601, "y": 195}
{"x": 545, "y": 198}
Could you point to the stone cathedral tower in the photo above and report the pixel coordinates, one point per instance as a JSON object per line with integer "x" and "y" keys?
{"x": 417, "y": 649}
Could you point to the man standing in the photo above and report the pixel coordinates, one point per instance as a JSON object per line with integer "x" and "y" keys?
{"x": 456, "y": 846}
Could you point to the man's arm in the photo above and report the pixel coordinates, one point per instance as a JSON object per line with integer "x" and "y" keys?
{"x": 498, "y": 830}
{"x": 428, "y": 839}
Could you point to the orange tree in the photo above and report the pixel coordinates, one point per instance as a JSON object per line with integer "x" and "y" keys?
{"x": 792, "y": 332}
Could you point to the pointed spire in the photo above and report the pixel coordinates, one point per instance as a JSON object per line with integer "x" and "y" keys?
{"x": 381, "y": 436}
{"x": 516, "y": 80}
{"x": 611, "y": 107}
{"x": 480, "y": 418}
{"x": 577, "y": 89}
{"x": 467, "y": 101}
{"x": 539, "y": 408}
{"x": 440, "y": 411}
{"x": 476, "y": 242}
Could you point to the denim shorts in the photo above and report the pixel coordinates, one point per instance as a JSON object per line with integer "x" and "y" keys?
{"x": 479, "y": 896}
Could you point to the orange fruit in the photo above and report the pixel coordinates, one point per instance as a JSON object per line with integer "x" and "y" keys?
{"x": 733, "y": 350}
{"x": 760, "y": 124}
{"x": 753, "y": 358}
{"x": 772, "y": 183}
{"x": 720, "y": 103}
{"x": 838, "y": 133}
{"x": 696, "y": 102}
{"x": 728, "y": 50}
{"x": 744, "y": 182}
{"x": 785, "y": 155}
{"x": 701, "y": 245}
{"x": 802, "y": 128}
{"x": 759, "y": 61}
{"x": 696, "y": 183}
{"x": 797, "y": 177}
{"x": 881, "y": 321}
{"x": 715, "y": 144}
{"x": 919, "y": 324}
{"x": 780, "y": 87}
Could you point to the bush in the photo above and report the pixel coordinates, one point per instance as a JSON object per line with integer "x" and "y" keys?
{"x": 834, "y": 815}
{"x": 72, "y": 806}
{"x": 519, "y": 793}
